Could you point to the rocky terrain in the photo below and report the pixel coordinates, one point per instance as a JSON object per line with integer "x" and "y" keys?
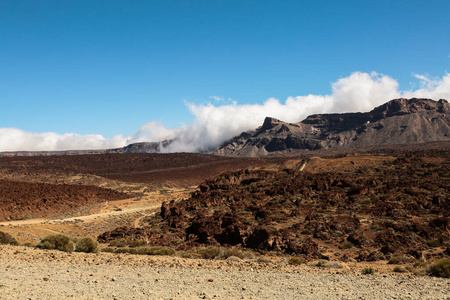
{"x": 399, "y": 121}
{"x": 25, "y": 200}
{"x": 29, "y": 273}
{"x": 90, "y": 194}
{"x": 362, "y": 207}
{"x": 185, "y": 169}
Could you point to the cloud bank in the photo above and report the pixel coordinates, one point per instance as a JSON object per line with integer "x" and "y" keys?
{"x": 13, "y": 139}
{"x": 214, "y": 124}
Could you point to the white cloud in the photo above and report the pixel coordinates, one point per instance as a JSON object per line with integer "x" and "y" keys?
{"x": 12, "y": 139}
{"x": 215, "y": 124}
{"x": 434, "y": 88}
{"x": 358, "y": 92}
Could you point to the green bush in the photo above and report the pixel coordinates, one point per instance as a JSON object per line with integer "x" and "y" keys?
{"x": 213, "y": 252}
{"x": 122, "y": 250}
{"x": 86, "y": 244}
{"x": 209, "y": 252}
{"x": 142, "y": 250}
{"x": 399, "y": 269}
{"x": 128, "y": 241}
{"x": 368, "y": 271}
{"x": 7, "y": 239}
{"x": 56, "y": 242}
{"x": 321, "y": 263}
{"x": 345, "y": 245}
{"x": 234, "y": 252}
{"x": 296, "y": 261}
{"x": 441, "y": 268}
{"x": 401, "y": 258}
{"x": 153, "y": 251}
{"x": 190, "y": 254}
{"x": 108, "y": 249}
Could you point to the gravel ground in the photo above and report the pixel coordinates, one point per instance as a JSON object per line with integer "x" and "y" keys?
{"x": 27, "y": 273}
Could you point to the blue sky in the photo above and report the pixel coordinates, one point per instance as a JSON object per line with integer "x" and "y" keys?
{"x": 109, "y": 67}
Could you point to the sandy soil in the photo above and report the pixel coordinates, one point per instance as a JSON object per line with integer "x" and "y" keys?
{"x": 28, "y": 273}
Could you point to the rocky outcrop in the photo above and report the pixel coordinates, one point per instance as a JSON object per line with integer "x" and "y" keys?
{"x": 368, "y": 212}
{"x": 399, "y": 121}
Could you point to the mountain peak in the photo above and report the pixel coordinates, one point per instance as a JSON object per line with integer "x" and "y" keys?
{"x": 270, "y": 123}
{"x": 399, "y": 121}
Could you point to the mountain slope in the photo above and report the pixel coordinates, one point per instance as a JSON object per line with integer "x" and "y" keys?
{"x": 399, "y": 121}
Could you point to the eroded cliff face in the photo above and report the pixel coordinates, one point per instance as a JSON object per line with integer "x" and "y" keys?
{"x": 399, "y": 121}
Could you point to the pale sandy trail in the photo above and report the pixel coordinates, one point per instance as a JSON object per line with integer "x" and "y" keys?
{"x": 123, "y": 211}
{"x": 136, "y": 222}
{"x": 303, "y": 166}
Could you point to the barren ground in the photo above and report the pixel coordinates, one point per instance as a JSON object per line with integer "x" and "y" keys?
{"x": 29, "y": 273}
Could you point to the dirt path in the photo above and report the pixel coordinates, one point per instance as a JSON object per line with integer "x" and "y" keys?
{"x": 82, "y": 218}
{"x": 136, "y": 222}
{"x": 97, "y": 219}
{"x": 303, "y": 166}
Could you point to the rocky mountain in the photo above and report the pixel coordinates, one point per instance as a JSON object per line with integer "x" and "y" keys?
{"x": 399, "y": 121}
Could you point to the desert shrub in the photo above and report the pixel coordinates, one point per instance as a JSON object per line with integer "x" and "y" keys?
{"x": 368, "y": 271}
{"x": 345, "y": 245}
{"x": 296, "y": 261}
{"x": 7, "y": 239}
{"x": 122, "y": 250}
{"x": 128, "y": 241}
{"x": 395, "y": 259}
{"x": 56, "y": 242}
{"x": 141, "y": 250}
{"x": 213, "y": 252}
{"x": 418, "y": 270}
{"x": 209, "y": 252}
{"x": 441, "y": 268}
{"x": 264, "y": 260}
{"x": 190, "y": 254}
{"x": 86, "y": 244}
{"x": 153, "y": 251}
{"x": 321, "y": 263}
{"x": 400, "y": 258}
{"x": 419, "y": 263}
{"x": 399, "y": 269}
{"x": 234, "y": 252}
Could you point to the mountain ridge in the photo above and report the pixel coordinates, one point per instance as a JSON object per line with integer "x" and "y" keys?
{"x": 399, "y": 121}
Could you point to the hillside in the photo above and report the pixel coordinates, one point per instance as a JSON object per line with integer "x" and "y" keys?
{"x": 399, "y": 121}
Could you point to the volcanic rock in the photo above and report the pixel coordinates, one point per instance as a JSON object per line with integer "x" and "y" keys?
{"x": 399, "y": 121}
